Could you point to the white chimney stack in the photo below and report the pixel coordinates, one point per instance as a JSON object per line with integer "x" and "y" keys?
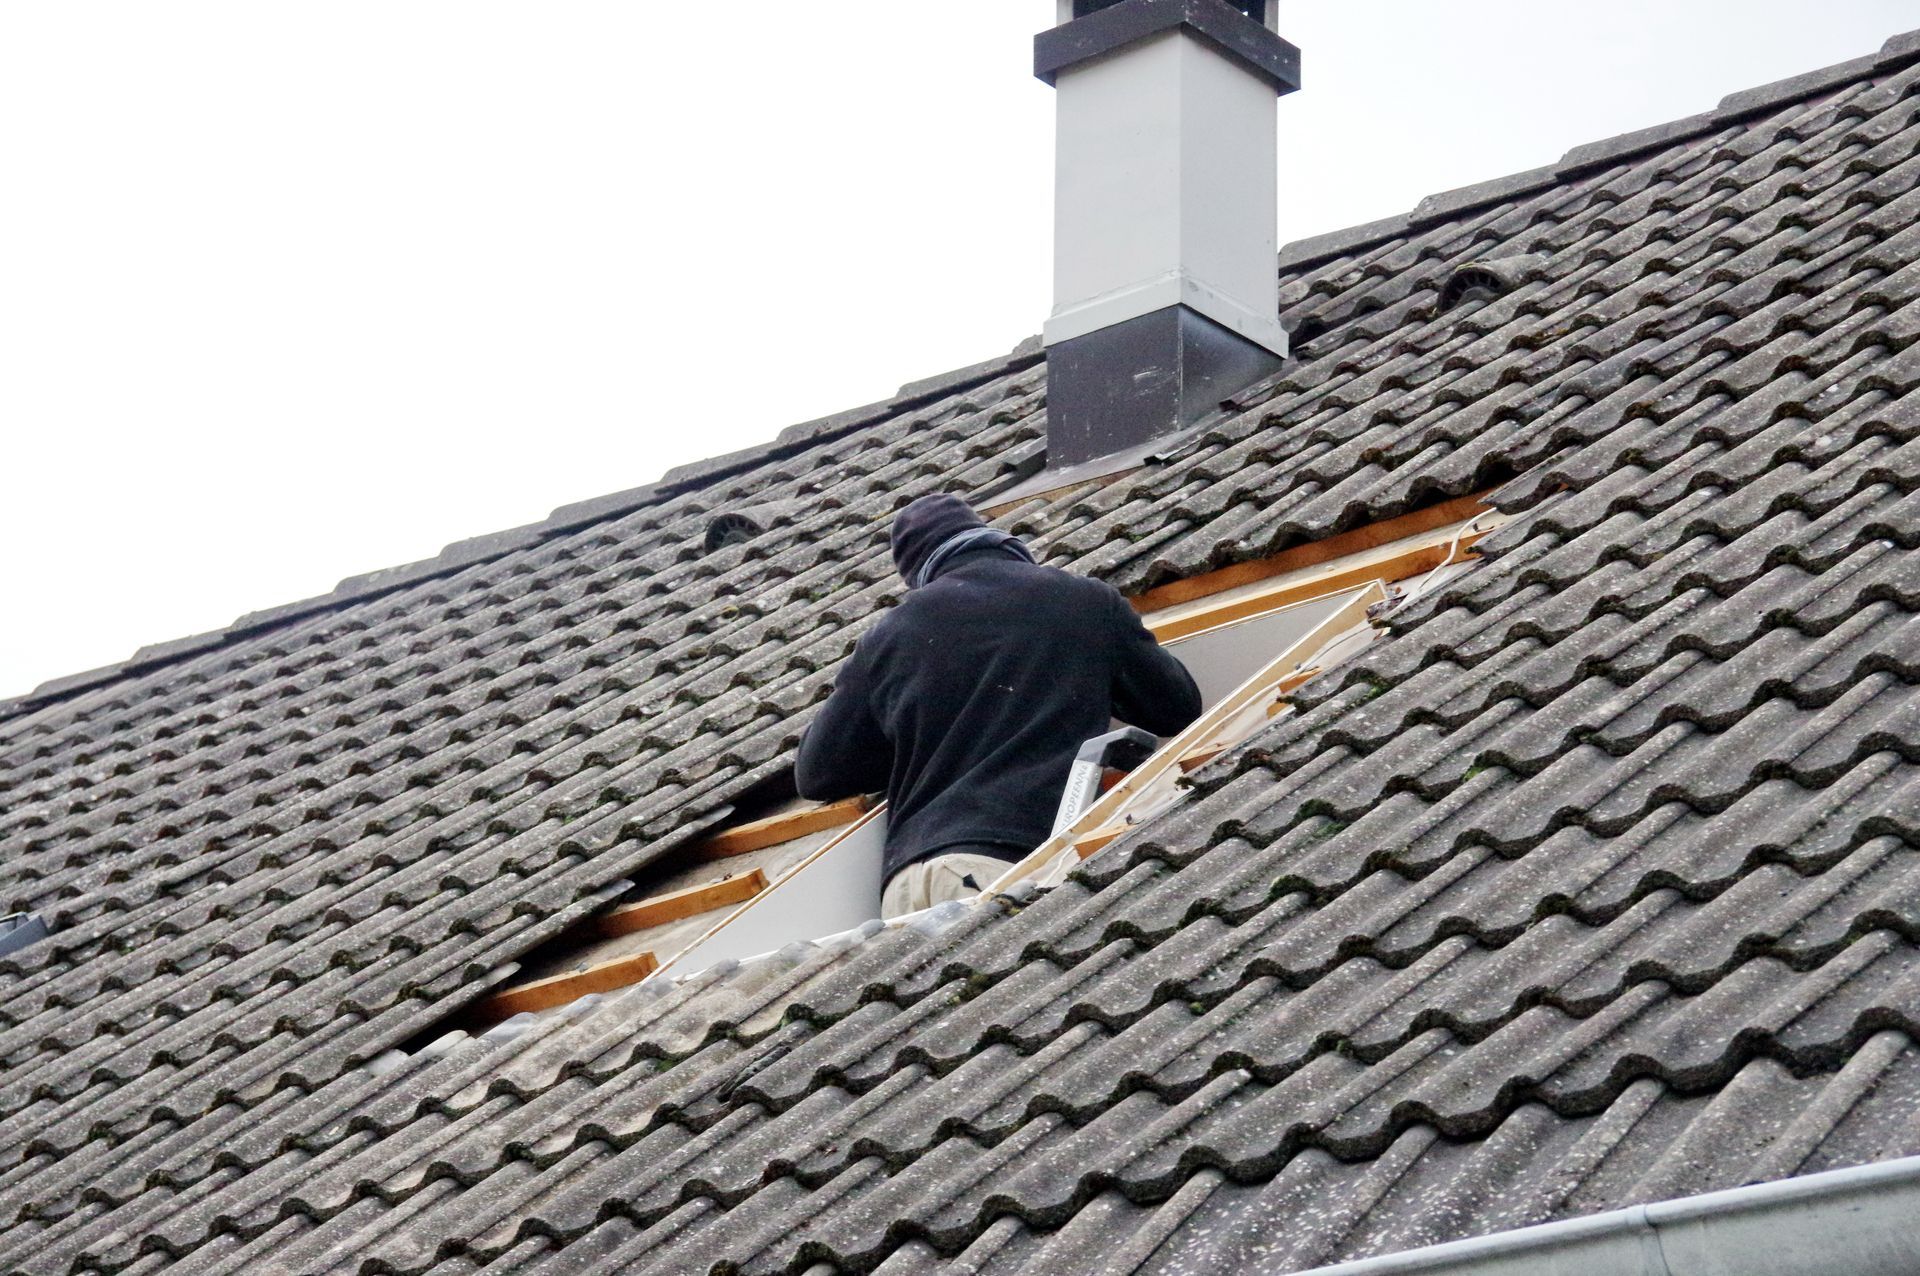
{"x": 1166, "y": 289}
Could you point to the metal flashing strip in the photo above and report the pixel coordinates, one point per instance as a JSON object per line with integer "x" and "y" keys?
{"x": 1178, "y": 286}
{"x": 1141, "y": 380}
{"x": 1051, "y": 482}
{"x": 1862, "y": 1221}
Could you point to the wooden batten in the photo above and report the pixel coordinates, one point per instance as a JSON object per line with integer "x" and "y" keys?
{"x": 1347, "y": 544}
{"x": 1190, "y": 762}
{"x": 1395, "y": 561}
{"x": 1296, "y": 681}
{"x": 1095, "y": 839}
{"x": 558, "y": 990}
{"x": 676, "y": 905}
{"x": 757, "y": 835}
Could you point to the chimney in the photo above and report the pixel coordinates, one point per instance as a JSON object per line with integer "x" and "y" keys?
{"x": 1165, "y": 273}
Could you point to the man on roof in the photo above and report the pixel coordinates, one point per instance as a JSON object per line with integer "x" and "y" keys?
{"x": 968, "y": 702}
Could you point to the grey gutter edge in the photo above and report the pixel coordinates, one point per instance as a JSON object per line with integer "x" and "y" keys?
{"x": 1861, "y": 1221}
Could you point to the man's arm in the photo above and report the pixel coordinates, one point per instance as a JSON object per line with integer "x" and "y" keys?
{"x": 844, "y": 752}
{"x": 1151, "y": 689}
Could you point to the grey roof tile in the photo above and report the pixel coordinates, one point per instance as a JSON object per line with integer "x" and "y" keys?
{"x": 1454, "y": 202}
{"x": 1311, "y": 251}
{"x": 1780, "y": 92}
{"x": 1624, "y": 146}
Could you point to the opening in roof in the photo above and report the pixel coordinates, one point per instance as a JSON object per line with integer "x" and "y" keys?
{"x": 833, "y": 890}
{"x": 809, "y": 873}
{"x": 1224, "y": 658}
{"x": 805, "y": 877}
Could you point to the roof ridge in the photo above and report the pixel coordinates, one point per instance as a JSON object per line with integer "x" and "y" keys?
{"x": 566, "y": 519}
{"x": 1897, "y": 50}
{"x": 1732, "y": 109}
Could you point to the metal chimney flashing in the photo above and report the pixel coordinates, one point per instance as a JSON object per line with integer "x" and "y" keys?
{"x": 1140, "y": 380}
{"x": 1219, "y": 23}
{"x": 1048, "y": 481}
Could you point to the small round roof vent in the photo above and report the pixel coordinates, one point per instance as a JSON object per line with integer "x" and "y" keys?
{"x": 1489, "y": 277}
{"x": 738, "y": 526}
{"x": 729, "y": 529}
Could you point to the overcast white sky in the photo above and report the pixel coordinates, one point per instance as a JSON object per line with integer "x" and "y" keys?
{"x": 290, "y": 292}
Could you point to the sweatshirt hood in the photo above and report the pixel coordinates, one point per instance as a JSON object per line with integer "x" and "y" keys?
{"x": 920, "y": 528}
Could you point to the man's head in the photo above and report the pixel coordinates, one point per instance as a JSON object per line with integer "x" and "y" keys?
{"x": 920, "y": 528}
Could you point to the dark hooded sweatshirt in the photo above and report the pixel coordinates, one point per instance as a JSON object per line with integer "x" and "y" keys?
{"x": 968, "y": 701}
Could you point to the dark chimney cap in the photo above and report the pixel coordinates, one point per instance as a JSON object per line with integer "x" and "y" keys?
{"x": 1238, "y": 28}
{"x": 1255, "y": 9}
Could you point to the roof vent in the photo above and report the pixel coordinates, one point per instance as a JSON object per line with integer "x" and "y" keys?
{"x": 1489, "y": 277}
{"x": 1166, "y": 287}
{"x": 17, "y": 930}
{"x": 738, "y": 526}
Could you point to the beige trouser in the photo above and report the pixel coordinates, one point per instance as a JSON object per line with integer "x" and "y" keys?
{"x": 934, "y": 881}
